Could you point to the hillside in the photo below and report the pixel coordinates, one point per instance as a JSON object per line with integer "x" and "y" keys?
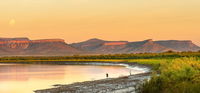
{"x": 147, "y": 46}
{"x": 25, "y": 46}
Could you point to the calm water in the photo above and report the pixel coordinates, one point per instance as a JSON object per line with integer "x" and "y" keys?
{"x": 24, "y": 78}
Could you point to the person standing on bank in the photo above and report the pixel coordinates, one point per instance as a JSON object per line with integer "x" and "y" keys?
{"x": 107, "y": 75}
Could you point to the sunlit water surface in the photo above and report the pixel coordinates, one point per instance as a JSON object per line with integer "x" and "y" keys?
{"x": 25, "y": 78}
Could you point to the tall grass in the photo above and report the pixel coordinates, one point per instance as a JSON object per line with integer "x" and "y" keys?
{"x": 180, "y": 75}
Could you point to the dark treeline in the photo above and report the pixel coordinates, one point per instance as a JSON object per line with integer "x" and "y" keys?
{"x": 109, "y": 56}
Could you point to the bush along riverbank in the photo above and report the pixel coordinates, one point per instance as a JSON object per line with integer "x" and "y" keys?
{"x": 181, "y": 75}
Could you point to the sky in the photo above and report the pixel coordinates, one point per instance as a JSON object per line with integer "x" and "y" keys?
{"x": 79, "y": 20}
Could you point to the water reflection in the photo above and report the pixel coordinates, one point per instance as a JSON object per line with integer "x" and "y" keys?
{"x": 24, "y": 78}
{"x": 25, "y": 72}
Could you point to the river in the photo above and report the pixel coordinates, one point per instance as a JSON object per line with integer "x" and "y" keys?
{"x": 25, "y": 78}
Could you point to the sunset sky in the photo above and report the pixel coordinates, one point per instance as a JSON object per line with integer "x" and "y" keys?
{"x": 79, "y": 20}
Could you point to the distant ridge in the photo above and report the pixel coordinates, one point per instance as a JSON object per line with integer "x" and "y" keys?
{"x": 178, "y": 45}
{"x": 146, "y": 46}
{"x": 25, "y": 46}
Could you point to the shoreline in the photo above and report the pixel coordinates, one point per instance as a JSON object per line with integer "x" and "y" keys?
{"x": 98, "y": 63}
{"x": 130, "y": 65}
{"x": 109, "y": 85}
{"x": 125, "y": 84}
{"x": 80, "y": 63}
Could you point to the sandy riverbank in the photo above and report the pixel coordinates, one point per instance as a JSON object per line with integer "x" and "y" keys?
{"x": 125, "y": 84}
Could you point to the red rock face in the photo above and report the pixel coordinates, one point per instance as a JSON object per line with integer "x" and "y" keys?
{"x": 19, "y": 46}
{"x": 115, "y": 43}
{"x": 24, "y": 44}
{"x": 48, "y": 41}
{"x": 15, "y": 44}
{"x": 179, "y": 45}
{"x": 146, "y": 46}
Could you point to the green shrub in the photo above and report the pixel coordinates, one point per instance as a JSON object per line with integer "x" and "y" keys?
{"x": 176, "y": 76}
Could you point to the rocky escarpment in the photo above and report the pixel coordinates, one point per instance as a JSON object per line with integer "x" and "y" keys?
{"x": 147, "y": 46}
{"x": 112, "y": 47}
{"x": 14, "y": 43}
{"x": 89, "y": 45}
{"x": 101, "y": 46}
{"x": 18, "y": 39}
{"x": 21, "y": 43}
{"x": 186, "y": 45}
{"x": 24, "y": 46}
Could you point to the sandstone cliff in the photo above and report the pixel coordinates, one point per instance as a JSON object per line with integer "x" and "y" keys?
{"x": 24, "y": 46}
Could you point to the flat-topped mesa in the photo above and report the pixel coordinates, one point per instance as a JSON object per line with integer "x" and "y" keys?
{"x": 17, "y": 39}
{"x": 14, "y": 42}
{"x": 24, "y": 43}
{"x": 149, "y": 40}
{"x": 179, "y": 45}
{"x": 115, "y": 43}
{"x": 31, "y": 41}
{"x": 182, "y": 43}
{"x": 48, "y": 41}
{"x": 95, "y": 39}
{"x": 189, "y": 41}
